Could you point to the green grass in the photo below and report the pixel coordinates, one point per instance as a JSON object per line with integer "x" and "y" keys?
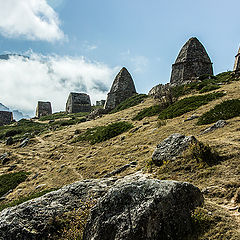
{"x": 32, "y": 128}
{"x": 205, "y": 85}
{"x": 103, "y": 133}
{"x": 11, "y": 181}
{"x": 130, "y": 102}
{"x": 148, "y": 112}
{"x": 24, "y": 199}
{"x": 188, "y": 104}
{"x": 60, "y": 115}
{"x": 209, "y": 88}
{"x": 223, "y": 111}
{"x": 22, "y": 127}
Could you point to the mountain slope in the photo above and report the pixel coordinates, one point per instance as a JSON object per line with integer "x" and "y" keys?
{"x": 54, "y": 160}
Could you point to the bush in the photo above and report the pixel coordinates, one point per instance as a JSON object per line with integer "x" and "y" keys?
{"x": 24, "y": 199}
{"x": 209, "y": 88}
{"x": 201, "y": 221}
{"x": 60, "y": 115}
{"x": 22, "y": 127}
{"x": 130, "y": 102}
{"x": 223, "y": 111}
{"x": 103, "y": 133}
{"x": 148, "y": 112}
{"x": 202, "y": 154}
{"x": 188, "y": 104}
{"x": 73, "y": 121}
{"x": 11, "y": 181}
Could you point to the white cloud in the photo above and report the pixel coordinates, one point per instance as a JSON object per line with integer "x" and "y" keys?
{"x": 26, "y": 81}
{"x": 31, "y": 19}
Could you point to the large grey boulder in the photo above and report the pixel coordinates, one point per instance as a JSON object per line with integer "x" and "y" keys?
{"x": 144, "y": 209}
{"x": 30, "y": 220}
{"x": 133, "y": 207}
{"x": 171, "y": 147}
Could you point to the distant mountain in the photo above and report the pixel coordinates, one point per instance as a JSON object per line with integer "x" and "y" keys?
{"x": 3, "y": 108}
{"x": 17, "y": 115}
{"x": 7, "y": 56}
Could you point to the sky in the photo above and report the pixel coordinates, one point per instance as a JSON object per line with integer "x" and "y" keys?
{"x": 80, "y": 46}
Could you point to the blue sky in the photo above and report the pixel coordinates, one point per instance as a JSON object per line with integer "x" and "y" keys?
{"x": 143, "y": 35}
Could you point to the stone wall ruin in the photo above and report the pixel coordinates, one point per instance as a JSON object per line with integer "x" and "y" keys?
{"x": 5, "y": 117}
{"x": 78, "y": 102}
{"x": 192, "y": 62}
{"x": 122, "y": 88}
{"x": 43, "y": 109}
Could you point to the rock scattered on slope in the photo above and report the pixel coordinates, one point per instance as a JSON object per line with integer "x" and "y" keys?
{"x": 134, "y": 207}
{"x": 144, "y": 210}
{"x": 218, "y": 124}
{"x": 171, "y": 148}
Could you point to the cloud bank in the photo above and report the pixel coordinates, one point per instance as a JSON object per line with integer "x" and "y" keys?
{"x": 25, "y": 81}
{"x": 30, "y": 19}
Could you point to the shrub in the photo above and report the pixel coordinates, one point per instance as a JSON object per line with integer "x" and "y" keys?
{"x": 11, "y": 181}
{"x": 188, "y": 104}
{"x": 60, "y": 115}
{"x": 223, "y": 111}
{"x": 161, "y": 123}
{"x": 22, "y": 127}
{"x": 148, "y": 112}
{"x": 130, "y": 102}
{"x": 202, "y": 154}
{"x": 69, "y": 122}
{"x": 209, "y": 88}
{"x": 103, "y": 133}
{"x": 24, "y": 199}
{"x": 201, "y": 221}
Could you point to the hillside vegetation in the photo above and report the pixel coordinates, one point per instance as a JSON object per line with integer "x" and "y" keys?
{"x": 59, "y": 154}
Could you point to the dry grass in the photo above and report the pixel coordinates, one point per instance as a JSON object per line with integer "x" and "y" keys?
{"x": 59, "y": 161}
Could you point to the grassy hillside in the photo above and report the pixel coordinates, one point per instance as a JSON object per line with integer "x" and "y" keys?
{"x": 53, "y": 159}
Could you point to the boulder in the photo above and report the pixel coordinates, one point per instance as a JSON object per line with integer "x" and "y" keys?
{"x": 218, "y": 124}
{"x": 30, "y": 220}
{"x": 144, "y": 209}
{"x": 133, "y": 207}
{"x": 171, "y": 147}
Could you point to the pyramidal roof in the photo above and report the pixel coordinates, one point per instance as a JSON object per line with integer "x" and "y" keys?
{"x": 193, "y": 50}
{"x": 123, "y": 82}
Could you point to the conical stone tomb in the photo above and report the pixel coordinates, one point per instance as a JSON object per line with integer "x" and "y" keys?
{"x": 237, "y": 62}
{"x": 122, "y": 88}
{"x": 192, "y": 62}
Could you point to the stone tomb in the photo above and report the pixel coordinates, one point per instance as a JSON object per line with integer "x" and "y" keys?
{"x": 122, "y": 88}
{"x": 192, "y": 62}
{"x": 78, "y": 102}
{"x": 236, "y": 68}
{"x": 43, "y": 109}
{"x": 5, "y": 117}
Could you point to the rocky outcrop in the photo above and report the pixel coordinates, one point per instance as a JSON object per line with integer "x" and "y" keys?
{"x": 218, "y": 124}
{"x": 192, "y": 62}
{"x": 122, "y": 88}
{"x": 30, "y": 220}
{"x": 97, "y": 113}
{"x": 78, "y": 102}
{"x": 43, "y": 109}
{"x": 134, "y": 207}
{"x": 144, "y": 210}
{"x": 171, "y": 148}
